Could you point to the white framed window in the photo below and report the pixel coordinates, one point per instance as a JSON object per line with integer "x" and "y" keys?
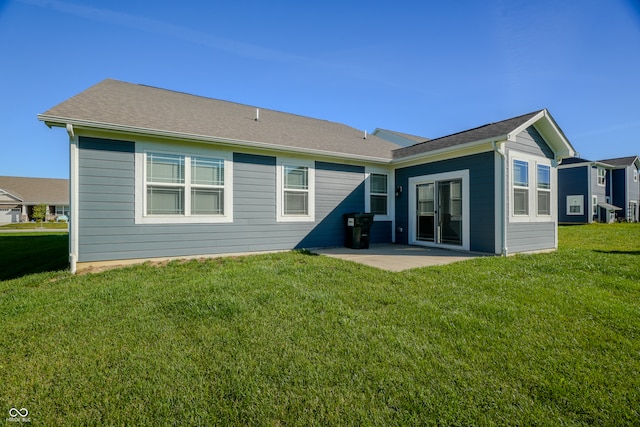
{"x": 520, "y": 174}
{"x": 378, "y": 193}
{"x": 378, "y": 186}
{"x": 575, "y": 205}
{"x": 295, "y": 196}
{"x": 635, "y": 175}
{"x": 531, "y": 188}
{"x": 594, "y": 205}
{"x": 602, "y": 177}
{"x": 191, "y": 186}
{"x": 543, "y": 181}
{"x": 62, "y": 210}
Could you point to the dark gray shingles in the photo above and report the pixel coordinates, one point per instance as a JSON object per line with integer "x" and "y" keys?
{"x": 620, "y": 161}
{"x": 485, "y": 132}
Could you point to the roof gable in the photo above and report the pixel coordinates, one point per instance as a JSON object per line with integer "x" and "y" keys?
{"x": 127, "y": 107}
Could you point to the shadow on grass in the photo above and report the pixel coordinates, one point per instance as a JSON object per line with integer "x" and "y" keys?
{"x": 618, "y": 252}
{"x": 22, "y": 254}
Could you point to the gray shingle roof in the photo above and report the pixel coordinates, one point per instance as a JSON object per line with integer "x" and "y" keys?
{"x": 51, "y": 191}
{"x": 621, "y": 161}
{"x": 484, "y": 132}
{"x": 139, "y": 108}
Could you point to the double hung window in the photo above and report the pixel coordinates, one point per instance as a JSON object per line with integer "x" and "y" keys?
{"x": 295, "y": 196}
{"x": 531, "y": 188}
{"x": 183, "y": 187}
{"x": 544, "y": 190}
{"x": 602, "y": 177}
{"x": 296, "y": 190}
{"x": 378, "y": 193}
{"x": 520, "y": 187}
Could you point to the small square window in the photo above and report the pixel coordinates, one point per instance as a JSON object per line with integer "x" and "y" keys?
{"x": 575, "y": 205}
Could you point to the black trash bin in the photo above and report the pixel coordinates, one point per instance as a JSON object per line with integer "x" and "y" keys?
{"x": 358, "y": 227}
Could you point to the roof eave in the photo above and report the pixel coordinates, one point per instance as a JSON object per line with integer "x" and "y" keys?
{"x": 445, "y": 150}
{"x": 53, "y": 121}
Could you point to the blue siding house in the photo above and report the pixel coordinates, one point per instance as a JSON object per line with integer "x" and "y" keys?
{"x": 158, "y": 174}
{"x": 625, "y": 188}
{"x": 584, "y": 192}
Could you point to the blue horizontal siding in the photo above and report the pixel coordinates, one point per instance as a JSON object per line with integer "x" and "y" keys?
{"x": 481, "y": 198}
{"x": 106, "y": 222}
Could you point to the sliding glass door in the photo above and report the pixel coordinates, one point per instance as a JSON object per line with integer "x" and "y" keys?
{"x": 439, "y": 216}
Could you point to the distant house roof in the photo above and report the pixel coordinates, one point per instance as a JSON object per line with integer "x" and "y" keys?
{"x": 573, "y": 161}
{"x": 31, "y": 191}
{"x": 622, "y": 161}
{"x": 134, "y": 108}
{"x": 503, "y": 130}
{"x": 400, "y": 138}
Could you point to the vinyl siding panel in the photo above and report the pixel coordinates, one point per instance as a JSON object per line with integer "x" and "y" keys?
{"x": 481, "y": 199}
{"x": 107, "y": 229}
{"x": 531, "y": 236}
{"x": 531, "y": 142}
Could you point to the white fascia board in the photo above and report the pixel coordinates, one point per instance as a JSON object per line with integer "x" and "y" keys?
{"x": 97, "y": 126}
{"x": 449, "y": 152}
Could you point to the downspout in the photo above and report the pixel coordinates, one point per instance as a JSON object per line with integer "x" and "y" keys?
{"x": 73, "y": 199}
{"x": 503, "y": 203}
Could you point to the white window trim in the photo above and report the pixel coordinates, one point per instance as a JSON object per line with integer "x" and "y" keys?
{"x": 533, "y": 162}
{"x": 594, "y": 205}
{"x": 390, "y": 192}
{"x": 310, "y": 165}
{"x": 141, "y": 216}
{"x": 575, "y": 197}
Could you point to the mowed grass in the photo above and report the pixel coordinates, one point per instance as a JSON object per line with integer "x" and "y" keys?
{"x": 296, "y": 339}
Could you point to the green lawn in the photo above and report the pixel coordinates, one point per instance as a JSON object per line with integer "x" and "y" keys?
{"x": 35, "y": 226}
{"x": 296, "y": 339}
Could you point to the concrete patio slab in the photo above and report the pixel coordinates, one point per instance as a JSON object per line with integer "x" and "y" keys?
{"x": 397, "y": 257}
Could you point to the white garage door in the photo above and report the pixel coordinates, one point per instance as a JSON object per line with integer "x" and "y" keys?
{"x": 9, "y": 215}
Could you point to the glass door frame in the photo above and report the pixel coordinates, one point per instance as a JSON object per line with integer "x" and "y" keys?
{"x": 414, "y": 182}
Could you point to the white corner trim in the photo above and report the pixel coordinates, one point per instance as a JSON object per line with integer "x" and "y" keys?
{"x": 74, "y": 211}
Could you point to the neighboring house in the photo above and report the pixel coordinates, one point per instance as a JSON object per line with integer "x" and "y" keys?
{"x": 402, "y": 139}
{"x": 163, "y": 174}
{"x": 584, "y": 189}
{"x": 19, "y": 195}
{"x": 625, "y": 188}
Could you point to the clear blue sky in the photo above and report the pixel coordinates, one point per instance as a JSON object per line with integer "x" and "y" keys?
{"x": 421, "y": 67}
